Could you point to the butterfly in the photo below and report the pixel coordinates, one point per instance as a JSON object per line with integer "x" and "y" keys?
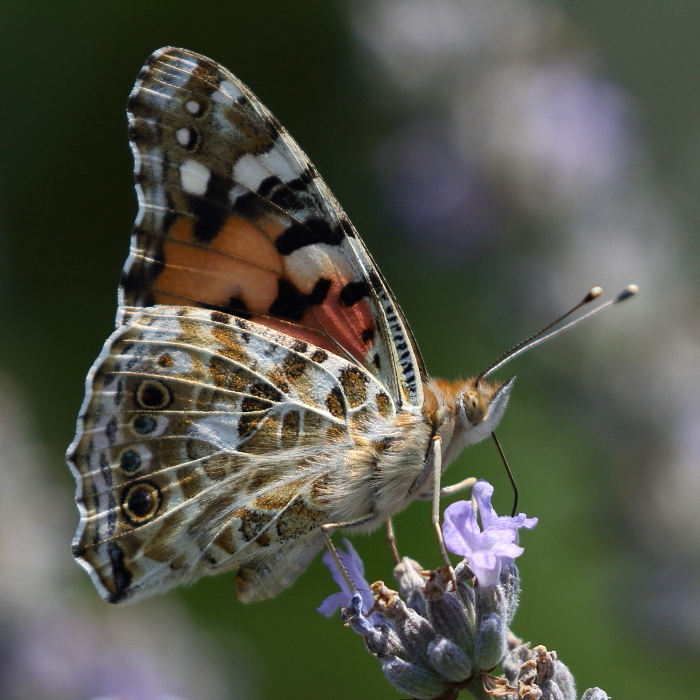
{"x": 262, "y": 386}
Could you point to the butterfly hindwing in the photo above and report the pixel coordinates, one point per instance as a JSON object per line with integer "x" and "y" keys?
{"x": 234, "y": 217}
{"x": 203, "y": 445}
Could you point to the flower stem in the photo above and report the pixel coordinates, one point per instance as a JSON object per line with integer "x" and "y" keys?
{"x": 477, "y": 689}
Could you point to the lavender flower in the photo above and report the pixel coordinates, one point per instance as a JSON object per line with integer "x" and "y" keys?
{"x": 433, "y": 640}
{"x": 356, "y": 570}
{"x": 488, "y": 550}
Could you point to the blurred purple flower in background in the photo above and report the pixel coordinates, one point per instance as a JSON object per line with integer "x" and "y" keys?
{"x": 432, "y": 188}
{"x": 558, "y": 131}
{"x": 67, "y": 654}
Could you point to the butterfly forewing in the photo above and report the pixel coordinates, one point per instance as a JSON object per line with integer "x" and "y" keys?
{"x": 234, "y": 217}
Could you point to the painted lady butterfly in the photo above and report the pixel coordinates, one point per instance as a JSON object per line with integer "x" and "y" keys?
{"x": 262, "y": 382}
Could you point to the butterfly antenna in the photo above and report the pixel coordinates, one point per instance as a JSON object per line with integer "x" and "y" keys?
{"x": 510, "y": 474}
{"x": 544, "y": 335}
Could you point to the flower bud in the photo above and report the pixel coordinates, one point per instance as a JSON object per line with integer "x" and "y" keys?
{"x": 411, "y": 582}
{"x": 539, "y": 674}
{"x": 414, "y": 631}
{"x": 449, "y": 660}
{"x": 384, "y": 642}
{"x": 466, "y": 593}
{"x": 490, "y": 600}
{"x": 446, "y": 611}
{"x": 561, "y": 685}
{"x": 463, "y": 572}
{"x": 595, "y": 694}
{"x": 517, "y": 655}
{"x": 510, "y": 585}
{"x": 545, "y": 663}
{"x": 412, "y": 679}
{"x": 490, "y": 643}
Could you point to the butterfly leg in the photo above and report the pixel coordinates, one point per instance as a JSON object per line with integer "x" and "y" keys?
{"x": 391, "y": 540}
{"x": 459, "y": 486}
{"x": 436, "y": 459}
{"x": 450, "y": 490}
{"x": 328, "y": 529}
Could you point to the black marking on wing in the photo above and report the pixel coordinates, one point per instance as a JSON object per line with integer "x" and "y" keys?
{"x": 120, "y": 573}
{"x": 306, "y": 177}
{"x": 111, "y": 431}
{"x": 290, "y": 303}
{"x": 353, "y": 292}
{"x": 193, "y": 139}
{"x": 211, "y": 209}
{"x": 273, "y": 189}
{"x": 312, "y": 231}
{"x": 137, "y": 280}
{"x": 320, "y": 291}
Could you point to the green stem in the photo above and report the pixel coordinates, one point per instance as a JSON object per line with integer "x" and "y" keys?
{"x": 477, "y": 689}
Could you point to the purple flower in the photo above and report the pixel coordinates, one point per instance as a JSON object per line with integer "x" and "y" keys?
{"x": 485, "y": 551}
{"x": 482, "y": 492}
{"x": 356, "y": 570}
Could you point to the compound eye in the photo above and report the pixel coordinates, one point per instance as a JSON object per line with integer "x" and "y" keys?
{"x": 474, "y": 406}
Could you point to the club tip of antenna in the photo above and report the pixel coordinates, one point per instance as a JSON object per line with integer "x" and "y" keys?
{"x": 593, "y": 294}
{"x": 629, "y": 291}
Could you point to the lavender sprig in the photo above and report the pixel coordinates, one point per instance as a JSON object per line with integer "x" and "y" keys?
{"x": 433, "y": 641}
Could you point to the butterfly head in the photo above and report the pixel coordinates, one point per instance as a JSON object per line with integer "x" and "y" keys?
{"x": 480, "y": 407}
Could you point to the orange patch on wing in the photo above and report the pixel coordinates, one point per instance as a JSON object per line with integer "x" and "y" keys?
{"x": 240, "y": 262}
{"x": 241, "y": 239}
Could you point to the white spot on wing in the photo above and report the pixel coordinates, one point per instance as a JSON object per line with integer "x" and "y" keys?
{"x": 278, "y": 161}
{"x": 193, "y": 107}
{"x": 182, "y": 362}
{"x": 194, "y": 177}
{"x": 249, "y": 171}
{"x": 306, "y": 265}
{"x": 226, "y": 93}
{"x": 183, "y": 136}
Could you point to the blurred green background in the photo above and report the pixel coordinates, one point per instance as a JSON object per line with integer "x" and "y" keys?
{"x": 584, "y": 451}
